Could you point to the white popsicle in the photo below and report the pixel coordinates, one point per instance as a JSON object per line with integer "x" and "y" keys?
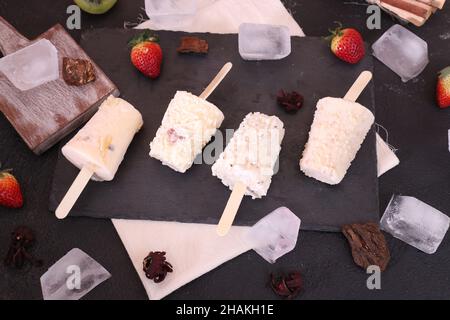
{"x": 187, "y": 126}
{"x": 100, "y": 146}
{"x": 338, "y": 130}
{"x": 247, "y": 164}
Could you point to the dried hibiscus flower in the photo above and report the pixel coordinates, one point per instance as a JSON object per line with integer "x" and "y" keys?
{"x": 22, "y": 239}
{"x": 287, "y": 286}
{"x": 290, "y": 101}
{"x": 156, "y": 267}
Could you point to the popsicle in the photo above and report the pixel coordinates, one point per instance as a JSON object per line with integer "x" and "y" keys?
{"x": 187, "y": 126}
{"x": 100, "y": 146}
{"x": 338, "y": 130}
{"x": 248, "y": 162}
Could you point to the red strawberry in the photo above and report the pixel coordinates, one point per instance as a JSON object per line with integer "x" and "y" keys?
{"x": 146, "y": 54}
{"x": 347, "y": 44}
{"x": 443, "y": 88}
{"x": 10, "y": 194}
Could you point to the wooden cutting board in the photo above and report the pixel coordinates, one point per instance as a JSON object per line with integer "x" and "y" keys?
{"x": 44, "y": 115}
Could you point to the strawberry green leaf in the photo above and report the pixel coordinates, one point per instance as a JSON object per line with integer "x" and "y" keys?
{"x": 335, "y": 32}
{"x": 145, "y": 36}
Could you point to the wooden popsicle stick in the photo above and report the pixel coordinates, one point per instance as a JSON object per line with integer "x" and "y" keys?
{"x": 74, "y": 192}
{"x": 216, "y": 81}
{"x": 226, "y": 221}
{"x": 358, "y": 87}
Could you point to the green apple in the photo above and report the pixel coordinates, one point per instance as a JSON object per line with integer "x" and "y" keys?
{"x": 95, "y": 6}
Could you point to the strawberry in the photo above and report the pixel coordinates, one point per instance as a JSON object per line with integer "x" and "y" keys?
{"x": 347, "y": 44}
{"x": 10, "y": 194}
{"x": 443, "y": 88}
{"x": 146, "y": 54}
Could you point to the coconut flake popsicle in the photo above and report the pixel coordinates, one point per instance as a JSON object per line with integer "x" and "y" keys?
{"x": 247, "y": 164}
{"x": 187, "y": 126}
{"x": 338, "y": 130}
{"x": 100, "y": 146}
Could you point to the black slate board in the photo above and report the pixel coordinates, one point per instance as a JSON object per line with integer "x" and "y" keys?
{"x": 144, "y": 189}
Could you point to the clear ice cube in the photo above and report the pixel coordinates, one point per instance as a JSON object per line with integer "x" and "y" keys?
{"x": 264, "y": 42}
{"x": 402, "y": 51}
{"x": 276, "y": 234}
{"x": 31, "y": 66}
{"x": 449, "y": 140}
{"x": 171, "y": 13}
{"x": 415, "y": 222}
{"x": 60, "y": 281}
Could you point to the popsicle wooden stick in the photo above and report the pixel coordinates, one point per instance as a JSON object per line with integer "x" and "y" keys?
{"x": 74, "y": 192}
{"x": 216, "y": 81}
{"x": 232, "y": 207}
{"x": 358, "y": 87}
{"x": 239, "y": 189}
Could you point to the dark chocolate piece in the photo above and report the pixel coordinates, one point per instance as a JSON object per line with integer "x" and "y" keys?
{"x": 368, "y": 244}
{"x": 193, "y": 45}
{"x": 78, "y": 72}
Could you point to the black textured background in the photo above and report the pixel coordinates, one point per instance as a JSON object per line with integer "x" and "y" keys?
{"x": 417, "y": 127}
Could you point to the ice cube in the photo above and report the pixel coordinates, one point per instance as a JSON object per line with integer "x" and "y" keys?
{"x": 31, "y": 66}
{"x": 415, "y": 223}
{"x": 402, "y": 51}
{"x": 170, "y": 14}
{"x": 264, "y": 41}
{"x": 63, "y": 282}
{"x": 449, "y": 140}
{"x": 276, "y": 234}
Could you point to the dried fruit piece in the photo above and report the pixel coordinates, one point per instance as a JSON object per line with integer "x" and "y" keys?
{"x": 156, "y": 267}
{"x": 290, "y": 101}
{"x": 368, "y": 245}
{"x": 78, "y": 72}
{"x": 287, "y": 286}
{"x": 173, "y": 135}
{"x": 193, "y": 45}
{"x": 22, "y": 239}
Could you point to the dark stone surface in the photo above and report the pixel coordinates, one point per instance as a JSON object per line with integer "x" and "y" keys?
{"x": 144, "y": 189}
{"x": 417, "y": 127}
